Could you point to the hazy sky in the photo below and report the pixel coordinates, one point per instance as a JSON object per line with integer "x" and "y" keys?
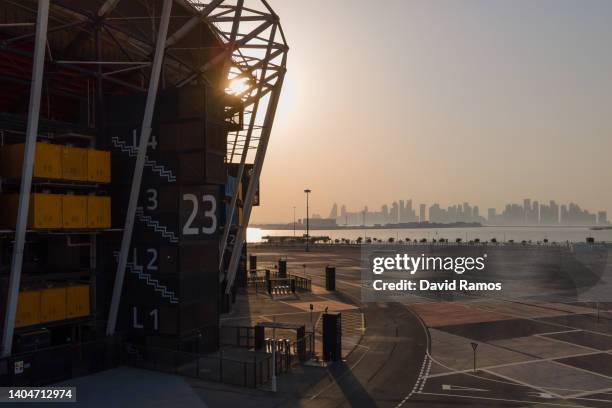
{"x": 487, "y": 101}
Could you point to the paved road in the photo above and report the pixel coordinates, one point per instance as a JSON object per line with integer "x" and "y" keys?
{"x": 391, "y": 365}
{"x": 385, "y": 367}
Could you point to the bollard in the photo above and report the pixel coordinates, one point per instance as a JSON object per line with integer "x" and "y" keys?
{"x": 282, "y": 268}
{"x": 301, "y": 346}
{"x": 332, "y": 336}
{"x": 330, "y": 278}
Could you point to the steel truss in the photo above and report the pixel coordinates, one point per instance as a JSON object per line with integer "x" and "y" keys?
{"x": 250, "y": 45}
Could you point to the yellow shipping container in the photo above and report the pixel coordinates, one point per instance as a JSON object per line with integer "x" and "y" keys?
{"x": 74, "y": 163}
{"x": 47, "y": 161}
{"x": 52, "y": 304}
{"x": 77, "y": 301}
{"x": 98, "y": 166}
{"x": 45, "y": 211}
{"x": 74, "y": 211}
{"x": 98, "y": 212}
{"x": 28, "y": 308}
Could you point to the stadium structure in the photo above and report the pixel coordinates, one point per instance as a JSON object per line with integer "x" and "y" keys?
{"x": 132, "y": 139}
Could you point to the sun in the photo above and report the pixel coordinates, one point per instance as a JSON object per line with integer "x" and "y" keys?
{"x": 237, "y": 86}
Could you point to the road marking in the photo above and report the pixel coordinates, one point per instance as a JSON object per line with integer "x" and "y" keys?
{"x": 607, "y": 391}
{"x": 514, "y": 382}
{"x": 423, "y": 375}
{"x": 418, "y": 387}
{"x": 582, "y": 369}
{"x": 469, "y": 370}
{"x": 567, "y": 342}
{"x": 449, "y": 387}
{"x": 525, "y": 384}
{"x": 503, "y": 399}
{"x": 558, "y": 332}
{"x": 545, "y": 395}
{"x": 545, "y": 321}
{"x": 593, "y": 399}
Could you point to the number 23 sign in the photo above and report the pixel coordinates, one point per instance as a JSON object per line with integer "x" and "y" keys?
{"x": 198, "y": 212}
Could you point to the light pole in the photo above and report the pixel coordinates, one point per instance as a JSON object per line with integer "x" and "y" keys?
{"x": 307, "y": 191}
{"x": 365, "y": 233}
{"x": 274, "y": 387}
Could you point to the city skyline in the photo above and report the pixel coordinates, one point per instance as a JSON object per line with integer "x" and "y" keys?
{"x": 529, "y": 212}
{"x": 487, "y": 100}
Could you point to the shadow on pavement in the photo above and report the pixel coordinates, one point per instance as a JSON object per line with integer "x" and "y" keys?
{"x": 354, "y": 393}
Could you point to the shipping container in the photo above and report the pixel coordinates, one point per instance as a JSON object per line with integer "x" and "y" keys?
{"x": 74, "y": 163}
{"x": 32, "y": 340}
{"x": 45, "y": 211}
{"x": 74, "y": 211}
{"x": 98, "y": 166}
{"x": 52, "y": 304}
{"x": 77, "y": 301}
{"x": 162, "y": 288}
{"x": 216, "y": 137}
{"x": 187, "y": 136}
{"x": 47, "y": 161}
{"x": 187, "y": 168}
{"x": 98, "y": 212}
{"x": 28, "y": 308}
{"x": 165, "y": 319}
{"x": 192, "y": 135}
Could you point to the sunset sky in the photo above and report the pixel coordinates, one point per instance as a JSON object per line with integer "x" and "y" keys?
{"x": 487, "y": 101}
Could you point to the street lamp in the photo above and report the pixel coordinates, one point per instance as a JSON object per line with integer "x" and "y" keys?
{"x": 307, "y": 191}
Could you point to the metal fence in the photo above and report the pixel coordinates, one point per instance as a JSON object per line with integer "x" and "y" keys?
{"x": 269, "y": 281}
{"x": 302, "y": 283}
{"x": 237, "y": 336}
{"x": 250, "y": 369}
{"x": 239, "y": 364}
{"x": 290, "y": 352}
{"x": 53, "y": 364}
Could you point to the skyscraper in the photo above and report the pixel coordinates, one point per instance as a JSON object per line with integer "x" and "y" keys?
{"x": 491, "y": 215}
{"x": 334, "y": 211}
{"x": 422, "y": 213}
{"x": 602, "y": 218}
{"x": 394, "y": 213}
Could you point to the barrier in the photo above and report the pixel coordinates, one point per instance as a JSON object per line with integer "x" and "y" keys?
{"x": 251, "y": 371}
{"x": 58, "y": 363}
